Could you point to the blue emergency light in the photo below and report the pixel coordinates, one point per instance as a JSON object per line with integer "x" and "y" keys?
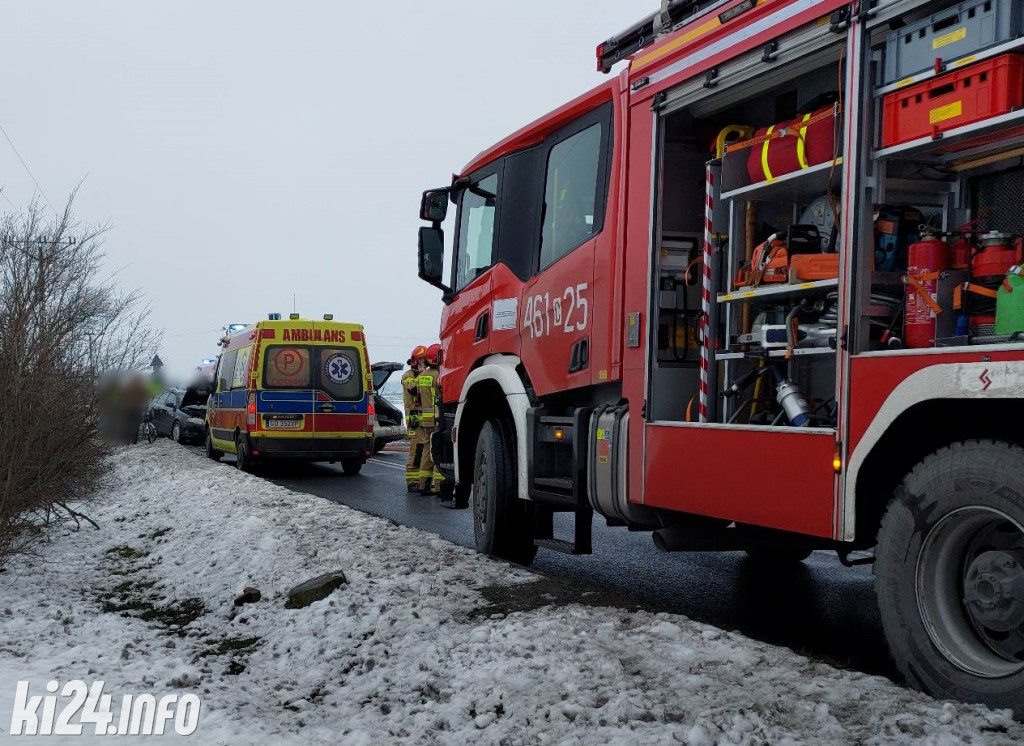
{"x": 274, "y": 316}
{"x": 235, "y": 328}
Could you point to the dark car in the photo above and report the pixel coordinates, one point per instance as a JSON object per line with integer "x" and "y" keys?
{"x": 390, "y": 419}
{"x": 180, "y": 414}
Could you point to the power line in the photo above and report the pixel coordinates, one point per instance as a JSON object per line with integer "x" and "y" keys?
{"x": 3, "y": 193}
{"x": 371, "y": 343}
{"x": 193, "y": 334}
{"x": 27, "y": 170}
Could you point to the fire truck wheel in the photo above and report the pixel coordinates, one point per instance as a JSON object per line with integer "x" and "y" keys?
{"x": 351, "y": 466}
{"x": 502, "y": 523}
{"x": 211, "y": 452}
{"x": 949, "y": 574}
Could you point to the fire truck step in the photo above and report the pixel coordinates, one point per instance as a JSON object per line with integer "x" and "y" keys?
{"x": 558, "y": 483}
{"x": 558, "y": 545}
{"x": 544, "y": 534}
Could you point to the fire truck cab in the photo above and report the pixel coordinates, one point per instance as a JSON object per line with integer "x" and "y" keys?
{"x": 756, "y": 292}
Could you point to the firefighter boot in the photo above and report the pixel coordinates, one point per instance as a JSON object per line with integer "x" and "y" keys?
{"x": 436, "y": 480}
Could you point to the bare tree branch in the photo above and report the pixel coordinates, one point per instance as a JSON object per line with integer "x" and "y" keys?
{"x": 64, "y": 330}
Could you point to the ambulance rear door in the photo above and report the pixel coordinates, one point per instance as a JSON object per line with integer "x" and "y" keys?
{"x": 285, "y": 396}
{"x": 341, "y": 396}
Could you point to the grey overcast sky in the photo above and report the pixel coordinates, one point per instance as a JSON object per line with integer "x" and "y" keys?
{"x": 245, "y": 151}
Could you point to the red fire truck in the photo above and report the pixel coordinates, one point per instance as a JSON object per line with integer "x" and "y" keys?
{"x": 753, "y": 293}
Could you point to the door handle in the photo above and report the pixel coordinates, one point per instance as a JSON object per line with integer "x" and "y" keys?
{"x": 326, "y": 407}
{"x": 579, "y": 356}
{"x": 482, "y": 325}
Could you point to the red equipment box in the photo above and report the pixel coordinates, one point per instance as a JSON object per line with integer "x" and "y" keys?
{"x": 960, "y": 97}
{"x": 794, "y": 145}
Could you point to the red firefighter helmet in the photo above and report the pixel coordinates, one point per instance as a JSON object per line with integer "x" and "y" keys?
{"x": 433, "y": 355}
{"x": 419, "y": 351}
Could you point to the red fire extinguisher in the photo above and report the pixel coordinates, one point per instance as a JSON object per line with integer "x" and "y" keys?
{"x": 960, "y": 252}
{"x": 925, "y": 260}
{"x": 962, "y": 248}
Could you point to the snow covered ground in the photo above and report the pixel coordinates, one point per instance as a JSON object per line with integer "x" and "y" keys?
{"x": 427, "y": 643}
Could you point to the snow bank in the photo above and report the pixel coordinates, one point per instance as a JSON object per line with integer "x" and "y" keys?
{"x": 410, "y": 650}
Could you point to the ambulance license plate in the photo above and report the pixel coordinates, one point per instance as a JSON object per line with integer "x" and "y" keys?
{"x": 290, "y": 423}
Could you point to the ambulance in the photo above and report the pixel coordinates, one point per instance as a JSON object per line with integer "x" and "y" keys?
{"x": 293, "y": 389}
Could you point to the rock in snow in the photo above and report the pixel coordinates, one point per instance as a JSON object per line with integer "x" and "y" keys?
{"x": 410, "y": 652}
{"x": 316, "y": 589}
{"x": 249, "y": 595}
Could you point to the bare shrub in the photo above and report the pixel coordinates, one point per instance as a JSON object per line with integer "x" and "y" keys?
{"x": 62, "y": 326}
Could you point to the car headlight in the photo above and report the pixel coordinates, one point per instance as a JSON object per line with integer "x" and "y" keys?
{"x": 196, "y": 421}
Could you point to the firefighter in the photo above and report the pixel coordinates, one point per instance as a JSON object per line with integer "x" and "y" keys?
{"x": 429, "y": 381}
{"x": 411, "y": 402}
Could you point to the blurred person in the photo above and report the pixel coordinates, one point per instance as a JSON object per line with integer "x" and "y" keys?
{"x": 134, "y": 399}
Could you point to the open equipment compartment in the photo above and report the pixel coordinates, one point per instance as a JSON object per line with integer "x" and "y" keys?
{"x": 947, "y": 156}
{"x": 770, "y": 150}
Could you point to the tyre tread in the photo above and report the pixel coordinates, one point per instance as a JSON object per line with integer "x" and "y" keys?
{"x": 512, "y": 528}
{"x": 975, "y": 452}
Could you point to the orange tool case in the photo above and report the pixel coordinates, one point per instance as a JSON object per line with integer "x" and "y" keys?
{"x": 813, "y": 267}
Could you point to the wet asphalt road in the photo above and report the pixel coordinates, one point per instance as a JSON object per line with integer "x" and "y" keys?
{"x": 819, "y": 608}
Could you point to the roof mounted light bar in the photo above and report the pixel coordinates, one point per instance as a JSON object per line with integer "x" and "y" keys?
{"x": 674, "y": 14}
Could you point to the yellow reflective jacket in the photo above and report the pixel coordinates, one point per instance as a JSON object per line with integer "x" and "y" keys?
{"x": 410, "y": 391}
{"x": 428, "y": 383}
{"x": 411, "y": 399}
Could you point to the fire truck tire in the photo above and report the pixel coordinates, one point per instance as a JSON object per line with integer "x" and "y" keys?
{"x": 211, "y": 452}
{"x": 502, "y": 523}
{"x": 778, "y": 555}
{"x": 351, "y": 466}
{"x": 949, "y": 574}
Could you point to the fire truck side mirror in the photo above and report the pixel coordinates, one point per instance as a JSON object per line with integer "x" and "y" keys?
{"x": 431, "y": 257}
{"x": 434, "y": 205}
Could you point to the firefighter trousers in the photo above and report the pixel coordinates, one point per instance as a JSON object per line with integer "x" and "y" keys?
{"x": 425, "y": 463}
{"x": 417, "y": 442}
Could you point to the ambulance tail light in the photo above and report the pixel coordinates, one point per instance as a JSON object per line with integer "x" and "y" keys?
{"x": 371, "y": 415}
{"x": 251, "y": 409}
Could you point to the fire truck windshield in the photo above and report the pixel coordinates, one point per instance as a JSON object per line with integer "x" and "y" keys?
{"x": 475, "y": 251}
